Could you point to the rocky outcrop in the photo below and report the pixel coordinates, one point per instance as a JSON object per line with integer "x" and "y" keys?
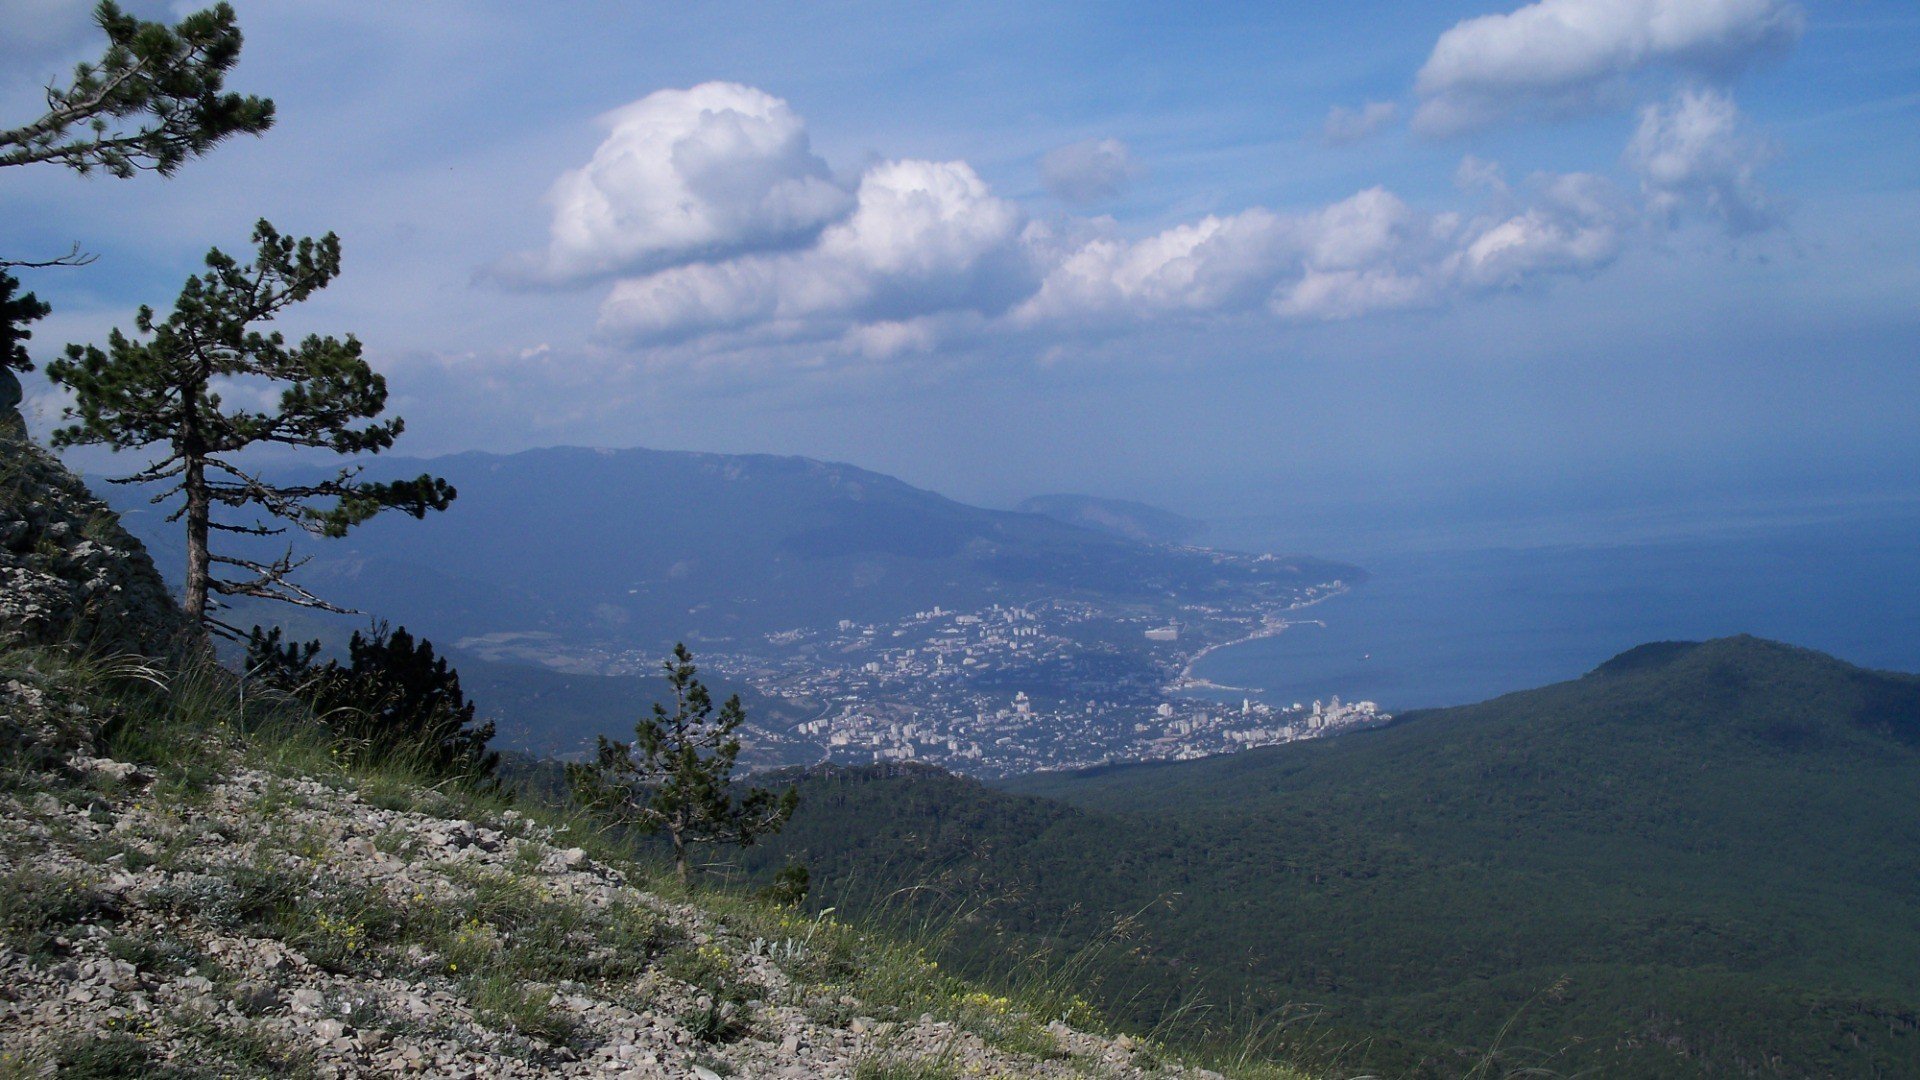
{"x": 68, "y": 571}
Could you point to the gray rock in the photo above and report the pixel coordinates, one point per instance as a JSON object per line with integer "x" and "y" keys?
{"x": 254, "y": 998}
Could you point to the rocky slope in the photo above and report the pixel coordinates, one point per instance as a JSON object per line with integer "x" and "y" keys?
{"x": 276, "y": 925}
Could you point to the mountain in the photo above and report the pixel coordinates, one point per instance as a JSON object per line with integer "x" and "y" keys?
{"x": 645, "y": 547}
{"x": 1117, "y": 517}
{"x": 1698, "y": 858}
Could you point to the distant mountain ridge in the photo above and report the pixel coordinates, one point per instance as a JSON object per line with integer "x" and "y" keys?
{"x": 653, "y": 546}
{"x": 1117, "y": 517}
{"x": 1699, "y": 858}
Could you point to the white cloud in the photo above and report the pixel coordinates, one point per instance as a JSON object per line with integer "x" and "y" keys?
{"x": 1368, "y": 253}
{"x": 1556, "y": 54}
{"x": 1575, "y": 225}
{"x": 1087, "y": 172}
{"x": 1212, "y": 263}
{"x": 924, "y": 237}
{"x": 885, "y": 340}
{"x": 1695, "y": 154}
{"x": 1345, "y": 126}
{"x": 715, "y": 170}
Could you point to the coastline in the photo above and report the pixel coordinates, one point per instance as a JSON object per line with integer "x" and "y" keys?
{"x": 1270, "y": 626}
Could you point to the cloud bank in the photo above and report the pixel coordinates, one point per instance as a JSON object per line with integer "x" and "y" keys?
{"x": 720, "y": 228}
{"x": 1368, "y": 253}
{"x": 1557, "y": 55}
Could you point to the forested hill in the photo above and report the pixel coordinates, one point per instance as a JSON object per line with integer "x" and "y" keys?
{"x": 1697, "y": 858}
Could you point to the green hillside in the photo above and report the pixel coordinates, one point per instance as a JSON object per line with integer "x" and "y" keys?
{"x": 1695, "y": 859}
{"x": 557, "y": 714}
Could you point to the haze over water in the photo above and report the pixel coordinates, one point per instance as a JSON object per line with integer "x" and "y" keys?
{"x": 1449, "y": 621}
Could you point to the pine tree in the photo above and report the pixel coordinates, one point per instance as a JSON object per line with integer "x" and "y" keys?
{"x": 165, "y": 388}
{"x": 676, "y": 776}
{"x": 168, "y": 80}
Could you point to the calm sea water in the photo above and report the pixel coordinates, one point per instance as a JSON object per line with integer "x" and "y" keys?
{"x": 1446, "y": 627}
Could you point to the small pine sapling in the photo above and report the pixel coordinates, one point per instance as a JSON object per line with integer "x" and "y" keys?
{"x": 676, "y": 777}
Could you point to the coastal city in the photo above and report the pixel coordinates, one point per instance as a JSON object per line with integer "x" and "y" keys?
{"x": 1018, "y": 689}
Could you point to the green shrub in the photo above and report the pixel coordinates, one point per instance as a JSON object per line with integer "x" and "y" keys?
{"x": 393, "y": 698}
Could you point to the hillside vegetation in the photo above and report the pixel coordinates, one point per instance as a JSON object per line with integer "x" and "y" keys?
{"x": 1696, "y": 859}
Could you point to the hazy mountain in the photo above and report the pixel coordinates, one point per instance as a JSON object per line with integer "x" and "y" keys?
{"x": 1695, "y": 859}
{"x": 1117, "y": 517}
{"x": 646, "y": 547}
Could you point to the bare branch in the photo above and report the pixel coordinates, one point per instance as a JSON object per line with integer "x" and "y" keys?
{"x": 75, "y": 257}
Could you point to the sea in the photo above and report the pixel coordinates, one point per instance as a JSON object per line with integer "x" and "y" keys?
{"x": 1445, "y": 619}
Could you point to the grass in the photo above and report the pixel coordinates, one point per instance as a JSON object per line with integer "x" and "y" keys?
{"x": 891, "y": 1069}
{"x": 40, "y": 911}
{"x": 127, "y": 1055}
{"x": 163, "y": 955}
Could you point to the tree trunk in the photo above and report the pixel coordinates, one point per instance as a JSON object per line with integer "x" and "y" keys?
{"x": 679, "y": 857}
{"x": 198, "y": 559}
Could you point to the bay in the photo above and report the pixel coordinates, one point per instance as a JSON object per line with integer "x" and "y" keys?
{"x": 1450, "y": 624}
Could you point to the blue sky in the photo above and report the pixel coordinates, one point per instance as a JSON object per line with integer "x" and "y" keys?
{"x": 1240, "y": 259}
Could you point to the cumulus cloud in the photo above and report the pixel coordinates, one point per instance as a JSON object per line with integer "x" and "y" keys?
{"x": 1558, "y": 54}
{"x": 924, "y": 237}
{"x": 1346, "y": 126}
{"x": 1087, "y": 172}
{"x": 712, "y": 171}
{"x": 1695, "y": 153}
{"x": 1368, "y": 253}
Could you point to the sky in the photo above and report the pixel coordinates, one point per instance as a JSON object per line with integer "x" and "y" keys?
{"x": 1335, "y": 263}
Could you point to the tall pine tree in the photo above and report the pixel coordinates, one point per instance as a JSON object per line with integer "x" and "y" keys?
{"x": 165, "y": 389}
